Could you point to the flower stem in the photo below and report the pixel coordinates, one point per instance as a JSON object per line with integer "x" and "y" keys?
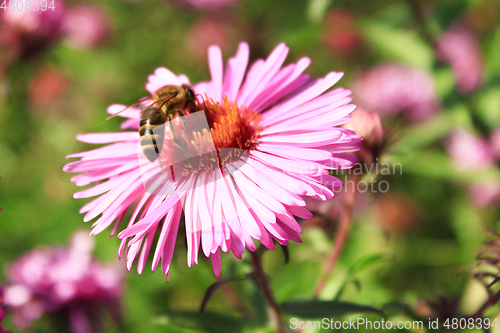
{"x": 344, "y": 224}
{"x": 263, "y": 283}
{"x": 493, "y": 299}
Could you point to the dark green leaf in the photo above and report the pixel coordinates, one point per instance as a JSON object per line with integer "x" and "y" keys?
{"x": 208, "y": 294}
{"x": 205, "y": 322}
{"x": 286, "y": 253}
{"x": 324, "y": 309}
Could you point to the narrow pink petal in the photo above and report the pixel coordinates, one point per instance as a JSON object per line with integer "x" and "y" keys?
{"x": 248, "y": 223}
{"x": 307, "y": 139}
{"x": 304, "y": 167}
{"x": 290, "y": 233}
{"x": 123, "y": 111}
{"x": 130, "y": 124}
{"x": 153, "y": 215}
{"x": 291, "y": 152}
{"x": 119, "y": 149}
{"x": 322, "y": 122}
{"x": 272, "y": 65}
{"x": 207, "y": 236}
{"x": 280, "y": 86}
{"x": 273, "y": 188}
{"x": 235, "y": 71}
{"x": 216, "y": 262}
{"x": 132, "y": 253}
{"x": 258, "y": 193}
{"x": 286, "y": 181}
{"x": 98, "y": 189}
{"x": 250, "y": 79}
{"x": 168, "y": 250}
{"x": 102, "y": 174}
{"x": 146, "y": 248}
{"x": 329, "y": 115}
{"x": 108, "y": 137}
{"x": 82, "y": 166}
{"x": 315, "y": 89}
{"x": 127, "y": 186}
{"x": 115, "y": 210}
{"x": 237, "y": 245}
{"x": 216, "y": 70}
{"x": 301, "y": 212}
{"x": 319, "y": 105}
{"x": 188, "y": 207}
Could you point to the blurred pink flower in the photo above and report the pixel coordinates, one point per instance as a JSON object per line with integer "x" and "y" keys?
{"x": 63, "y": 281}
{"x": 206, "y": 32}
{"x": 368, "y": 125}
{"x": 26, "y": 32}
{"x": 341, "y": 32}
{"x": 207, "y": 5}
{"x": 282, "y": 128}
{"x": 86, "y": 26}
{"x": 469, "y": 151}
{"x": 390, "y": 88}
{"x": 484, "y": 194}
{"x": 2, "y": 313}
{"x": 47, "y": 86}
{"x": 460, "y": 47}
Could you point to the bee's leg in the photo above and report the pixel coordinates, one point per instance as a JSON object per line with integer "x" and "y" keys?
{"x": 182, "y": 119}
{"x": 170, "y": 128}
{"x": 177, "y": 142}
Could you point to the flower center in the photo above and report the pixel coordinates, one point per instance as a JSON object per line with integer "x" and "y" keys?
{"x": 232, "y": 131}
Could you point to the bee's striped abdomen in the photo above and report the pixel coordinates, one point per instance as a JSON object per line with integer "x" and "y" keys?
{"x": 151, "y": 136}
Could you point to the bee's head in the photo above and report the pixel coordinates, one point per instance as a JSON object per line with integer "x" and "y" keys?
{"x": 189, "y": 92}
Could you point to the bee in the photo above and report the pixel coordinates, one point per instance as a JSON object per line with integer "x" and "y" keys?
{"x": 168, "y": 101}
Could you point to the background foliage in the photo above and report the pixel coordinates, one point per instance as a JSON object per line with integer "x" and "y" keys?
{"x": 412, "y": 266}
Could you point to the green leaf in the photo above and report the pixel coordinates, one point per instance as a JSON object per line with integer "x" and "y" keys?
{"x": 437, "y": 164}
{"x": 367, "y": 261}
{"x": 444, "y": 81}
{"x": 488, "y": 106}
{"x": 205, "y": 322}
{"x": 324, "y": 309}
{"x": 399, "y": 45}
{"x": 316, "y": 9}
{"x": 493, "y": 55}
{"x": 421, "y": 135}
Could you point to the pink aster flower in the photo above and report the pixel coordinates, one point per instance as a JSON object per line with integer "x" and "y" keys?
{"x": 469, "y": 151}
{"x": 484, "y": 194}
{"x": 26, "y": 32}
{"x": 495, "y": 142}
{"x": 86, "y": 26}
{"x": 391, "y": 88}
{"x": 270, "y": 135}
{"x": 63, "y": 282}
{"x": 460, "y": 47}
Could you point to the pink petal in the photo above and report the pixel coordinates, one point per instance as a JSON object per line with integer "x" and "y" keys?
{"x": 235, "y": 71}
{"x": 216, "y": 70}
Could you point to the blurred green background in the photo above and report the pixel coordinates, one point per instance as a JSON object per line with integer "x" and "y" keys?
{"x": 429, "y": 255}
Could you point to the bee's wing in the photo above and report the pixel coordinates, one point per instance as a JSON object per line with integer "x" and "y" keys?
{"x": 127, "y": 107}
{"x": 154, "y": 107}
{"x": 148, "y": 111}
